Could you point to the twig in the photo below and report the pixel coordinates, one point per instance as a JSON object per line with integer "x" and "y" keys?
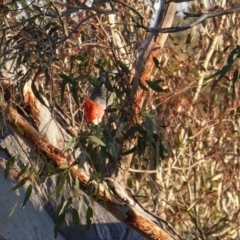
{"x": 202, "y": 17}
{"x": 142, "y": 170}
{"x": 84, "y": 7}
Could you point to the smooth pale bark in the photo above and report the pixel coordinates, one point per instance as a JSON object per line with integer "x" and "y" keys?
{"x": 31, "y": 223}
{"x": 36, "y": 220}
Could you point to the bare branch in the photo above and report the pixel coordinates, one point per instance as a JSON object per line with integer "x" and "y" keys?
{"x": 129, "y": 7}
{"x": 84, "y": 7}
{"x": 202, "y": 17}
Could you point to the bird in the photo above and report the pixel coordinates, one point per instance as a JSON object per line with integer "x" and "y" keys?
{"x": 100, "y": 98}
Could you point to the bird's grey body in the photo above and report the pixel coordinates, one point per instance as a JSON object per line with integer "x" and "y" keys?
{"x": 100, "y": 94}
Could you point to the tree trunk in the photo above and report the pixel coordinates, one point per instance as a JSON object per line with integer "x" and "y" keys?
{"x": 37, "y": 219}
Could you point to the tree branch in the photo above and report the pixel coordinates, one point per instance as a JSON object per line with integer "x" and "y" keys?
{"x": 201, "y": 18}
{"x": 143, "y": 69}
{"x": 125, "y": 209}
{"x": 86, "y": 8}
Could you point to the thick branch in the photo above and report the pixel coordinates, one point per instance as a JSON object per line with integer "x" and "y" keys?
{"x": 124, "y": 209}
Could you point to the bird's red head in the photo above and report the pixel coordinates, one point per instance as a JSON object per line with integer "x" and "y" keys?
{"x": 93, "y": 112}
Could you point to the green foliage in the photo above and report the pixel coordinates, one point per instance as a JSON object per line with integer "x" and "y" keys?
{"x": 97, "y": 140}
{"x": 154, "y": 85}
{"x": 27, "y": 195}
{"x": 59, "y": 187}
{"x": 189, "y": 128}
{"x": 9, "y": 165}
{"x": 89, "y": 216}
{"x": 74, "y": 88}
{"x": 20, "y": 184}
{"x": 234, "y": 81}
{"x": 232, "y": 58}
{"x": 60, "y": 215}
{"x": 23, "y": 171}
{"x": 75, "y": 217}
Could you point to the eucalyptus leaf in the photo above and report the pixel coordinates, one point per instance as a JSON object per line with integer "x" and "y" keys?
{"x": 89, "y": 216}
{"x": 66, "y": 80}
{"x": 27, "y": 195}
{"x": 154, "y": 85}
{"x": 20, "y": 184}
{"x": 97, "y": 140}
{"x": 75, "y": 218}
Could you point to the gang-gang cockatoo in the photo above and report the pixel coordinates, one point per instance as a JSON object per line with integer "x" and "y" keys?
{"x": 100, "y": 98}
